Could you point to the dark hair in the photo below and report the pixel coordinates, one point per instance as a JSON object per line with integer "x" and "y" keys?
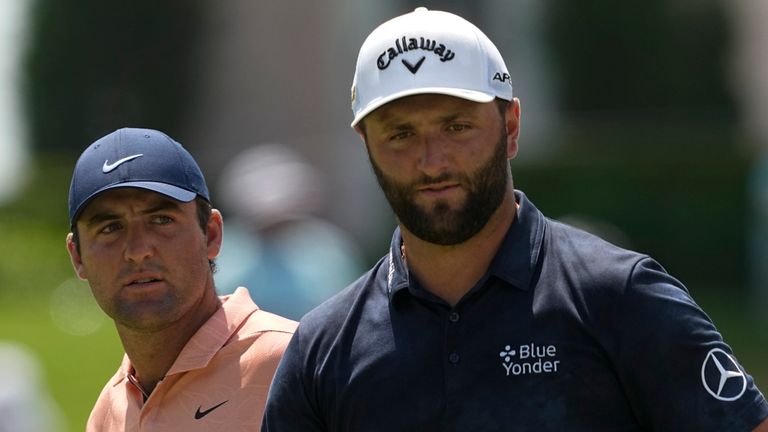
{"x": 203, "y": 216}
{"x": 502, "y": 105}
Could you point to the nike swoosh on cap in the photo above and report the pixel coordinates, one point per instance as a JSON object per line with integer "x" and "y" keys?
{"x": 111, "y": 166}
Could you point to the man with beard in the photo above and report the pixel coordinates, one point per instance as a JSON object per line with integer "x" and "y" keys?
{"x": 485, "y": 315}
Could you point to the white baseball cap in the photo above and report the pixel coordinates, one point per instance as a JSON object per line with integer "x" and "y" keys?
{"x": 427, "y": 51}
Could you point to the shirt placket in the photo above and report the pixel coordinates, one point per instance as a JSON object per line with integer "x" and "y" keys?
{"x": 453, "y": 365}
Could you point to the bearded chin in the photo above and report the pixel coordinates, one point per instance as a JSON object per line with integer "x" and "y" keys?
{"x": 441, "y": 224}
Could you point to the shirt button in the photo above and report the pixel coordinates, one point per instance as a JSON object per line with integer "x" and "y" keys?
{"x": 454, "y": 357}
{"x": 453, "y": 317}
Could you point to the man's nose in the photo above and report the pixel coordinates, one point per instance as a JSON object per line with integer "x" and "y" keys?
{"x": 138, "y": 245}
{"x": 433, "y": 158}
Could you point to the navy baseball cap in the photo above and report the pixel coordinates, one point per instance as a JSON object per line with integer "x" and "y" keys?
{"x": 140, "y": 158}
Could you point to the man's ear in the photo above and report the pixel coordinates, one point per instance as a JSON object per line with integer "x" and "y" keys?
{"x": 215, "y": 234}
{"x": 74, "y": 256}
{"x": 360, "y": 130}
{"x": 512, "y": 125}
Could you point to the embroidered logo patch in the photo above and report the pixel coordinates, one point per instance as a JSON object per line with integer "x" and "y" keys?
{"x": 406, "y": 44}
{"x": 529, "y": 359}
{"x": 722, "y": 377}
{"x": 502, "y": 77}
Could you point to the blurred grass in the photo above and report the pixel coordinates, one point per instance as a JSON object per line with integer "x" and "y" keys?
{"x": 35, "y": 261}
{"x": 34, "y": 264}
{"x": 75, "y": 368}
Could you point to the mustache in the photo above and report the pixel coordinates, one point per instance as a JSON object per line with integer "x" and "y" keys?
{"x": 130, "y": 270}
{"x": 425, "y": 180}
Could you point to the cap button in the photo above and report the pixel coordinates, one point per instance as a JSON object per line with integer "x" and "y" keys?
{"x": 420, "y": 9}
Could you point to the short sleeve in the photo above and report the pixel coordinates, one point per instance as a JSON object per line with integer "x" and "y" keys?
{"x": 677, "y": 371}
{"x": 291, "y": 405}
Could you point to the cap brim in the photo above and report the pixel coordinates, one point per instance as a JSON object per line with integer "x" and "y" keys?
{"x": 168, "y": 190}
{"x": 472, "y": 95}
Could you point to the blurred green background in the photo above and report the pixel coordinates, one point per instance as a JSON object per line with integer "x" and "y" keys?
{"x": 648, "y": 150}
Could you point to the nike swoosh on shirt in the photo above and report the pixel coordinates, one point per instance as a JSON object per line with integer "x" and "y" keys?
{"x": 111, "y": 166}
{"x": 200, "y": 414}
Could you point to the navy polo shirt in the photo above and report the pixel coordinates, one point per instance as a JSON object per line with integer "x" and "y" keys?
{"x": 565, "y": 332}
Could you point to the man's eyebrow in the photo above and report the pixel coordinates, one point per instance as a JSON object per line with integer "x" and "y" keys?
{"x": 396, "y": 126}
{"x": 390, "y": 124}
{"x": 163, "y": 205}
{"x": 106, "y": 215}
{"x": 101, "y": 217}
{"x": 464, "y": 113}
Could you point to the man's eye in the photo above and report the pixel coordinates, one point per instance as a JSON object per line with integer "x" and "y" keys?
{"x": 162, "y": 220}
{"x": 400, "y": 135}
{"x": 458, "y": 127}
{"x": 109, "y": 228}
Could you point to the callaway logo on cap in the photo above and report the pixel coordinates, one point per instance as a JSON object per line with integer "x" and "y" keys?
{"x": 427, "y": 52}
{"x": 141, "y": 158}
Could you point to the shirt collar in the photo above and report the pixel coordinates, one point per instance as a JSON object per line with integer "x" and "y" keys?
{"x": 397, "y": 273}
{"x": 209, "y": 338}
{"x": 514, "y": 262}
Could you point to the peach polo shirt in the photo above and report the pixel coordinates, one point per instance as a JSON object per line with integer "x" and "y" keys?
{"x": 219, "y": 381}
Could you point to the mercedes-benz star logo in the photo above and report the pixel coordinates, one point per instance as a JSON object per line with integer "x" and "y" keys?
{"x": 722, "y": 376}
